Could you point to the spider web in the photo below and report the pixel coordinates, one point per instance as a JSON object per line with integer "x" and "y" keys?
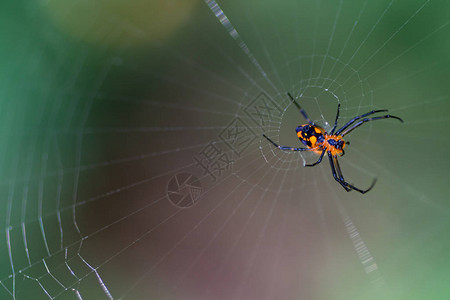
{"x": 99, "y": 115}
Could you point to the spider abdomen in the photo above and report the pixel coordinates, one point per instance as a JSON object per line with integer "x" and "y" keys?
{"x": 311, "y": 136}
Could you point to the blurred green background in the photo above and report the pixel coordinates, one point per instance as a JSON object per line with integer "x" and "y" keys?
{"x": 103, "y": 102}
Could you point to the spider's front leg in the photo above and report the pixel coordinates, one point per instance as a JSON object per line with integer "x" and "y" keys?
{"x": 337, "y": 174}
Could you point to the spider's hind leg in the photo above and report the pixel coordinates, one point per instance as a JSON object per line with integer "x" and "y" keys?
{"x": 285, "y": 148}
{"x": 318, "y": 161}
{"x": 302, "y": 111}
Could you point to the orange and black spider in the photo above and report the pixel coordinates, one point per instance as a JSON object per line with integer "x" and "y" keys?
{"x": 320, "y": 141}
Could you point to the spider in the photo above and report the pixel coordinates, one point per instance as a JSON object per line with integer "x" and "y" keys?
{"x": 320, "y": 141}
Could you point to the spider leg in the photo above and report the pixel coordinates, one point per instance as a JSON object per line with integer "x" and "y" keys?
{"x": 286, "y": 148}
{"x": 337, "y": 174}
{"x": 301, "y": 109}
{"x": 318, "y": 161}
{"x": 359, "y": 117}
{"x": 337, "y": 117}
{"x": 357, "y": 124}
